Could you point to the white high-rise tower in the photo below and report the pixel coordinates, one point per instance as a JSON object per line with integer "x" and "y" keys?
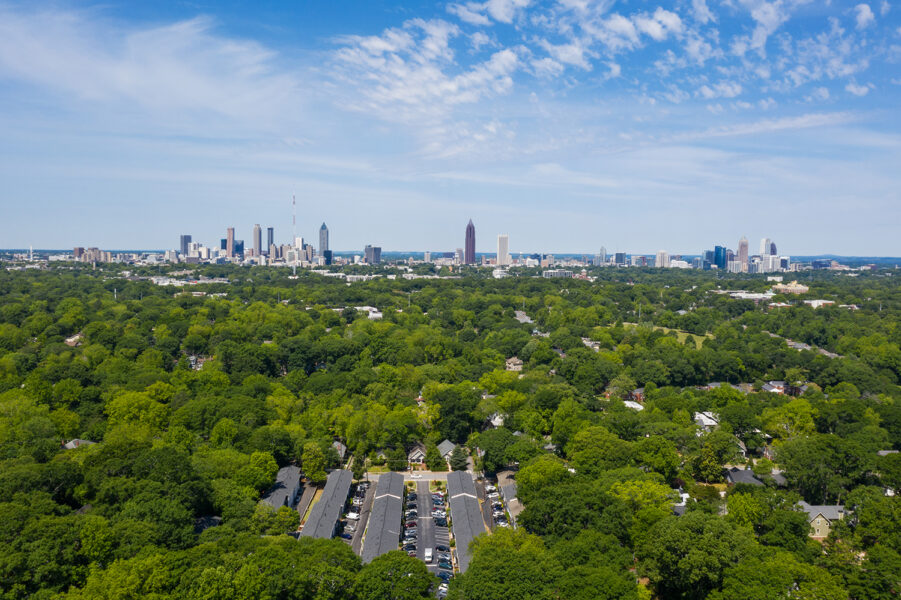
{"x": 503, "y": 249}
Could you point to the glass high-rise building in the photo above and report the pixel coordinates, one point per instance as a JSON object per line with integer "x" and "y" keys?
{"x": 270, "y": 238}
{"x": 183, "y": 246}
{"x": 719, "y": 257}
{"x": 230, "y": 241}
{"x": 323, "y": 239}
{"x": 257, "y": 240}
{"x": 743, "y": 254}
{"x": 469, "y": 248}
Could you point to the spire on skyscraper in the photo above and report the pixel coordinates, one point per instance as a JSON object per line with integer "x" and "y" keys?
{"x": 469, "y": 251}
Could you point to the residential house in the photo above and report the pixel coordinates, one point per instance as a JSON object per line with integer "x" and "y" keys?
{"x": 822, "y": 517}
{"x": 514, "y": 364}
{"x": 76, "y": 443}
{"x": 496, "y": 420}
{"x": 774, "y": 387}
{"x": 446, "y": 448}
{"x": 416, "y": 456}
{"x": 637, "y": 394}
{"x": 285, "y": 489}
{"x": 707, "y": 421}
{"x": 735, "y": 475}
{"x": 340, "y": 448}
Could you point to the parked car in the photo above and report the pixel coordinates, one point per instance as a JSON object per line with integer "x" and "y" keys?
{"x": 493, "y": 495}
{"x": 409, "y": 547}
{"x": 441, "y": 522}
{"x": 416, "y": 476}
{"x": 347, "y": 536}
{"x": 442, "y": 548}
{"x": 490, "y": 488}
{"x": 445, "y": 575}
{"x": 412, "y": 553}
{"x": 443, "y": 564}
{"x": 410, "y": 525}
{"x": 353, "y": 515}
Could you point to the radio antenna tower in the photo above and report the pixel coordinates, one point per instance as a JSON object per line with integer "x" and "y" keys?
{"x": 294, "y": 232}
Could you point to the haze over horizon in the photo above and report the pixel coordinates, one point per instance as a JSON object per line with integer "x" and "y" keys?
{"x": 568, "y": 125}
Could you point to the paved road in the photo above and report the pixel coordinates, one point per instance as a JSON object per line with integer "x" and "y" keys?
{"x": 426, "y": 522}
{"x": 357, "y": 542}
{"x": 420, "y": 476}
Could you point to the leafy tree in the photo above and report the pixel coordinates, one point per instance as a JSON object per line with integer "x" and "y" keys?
{"x": 768, "y": 579}
{"x": 688, "y": 556}
{"x": 433, "y": 459}
{"x": 313, "y": 461}
{"x": 459, "y": 461}
{"x": 394, "y": 576}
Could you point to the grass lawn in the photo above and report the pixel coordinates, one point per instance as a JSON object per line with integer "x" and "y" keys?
{"x": 316, "y": 498}
{"x": 682, "y": 336}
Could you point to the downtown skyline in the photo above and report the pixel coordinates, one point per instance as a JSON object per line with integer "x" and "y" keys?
{"x": 567, "y": 125}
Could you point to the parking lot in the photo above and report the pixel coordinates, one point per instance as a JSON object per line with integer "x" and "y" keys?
{"x": 361, "y": 504}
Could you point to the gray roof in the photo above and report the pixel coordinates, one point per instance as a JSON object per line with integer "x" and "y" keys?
{"x": 886, "y": 452}
{"x": 465, "y": 513}
{"x": 325, "y": 513}
{"x": 736, "y": 475}
{"x": 446, "y": 447}
{"x": 383, "y": 531}
{"x": 832, "y": 512}
{"x": 282, "y": 492}
{"x": 508, "y": 492}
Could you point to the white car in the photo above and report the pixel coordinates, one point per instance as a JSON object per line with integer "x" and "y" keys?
{"x": 352, "y": 515}
{"x": 493, "y": 495}
{"x": 490, "y": 488}
{"x": 416, "y": 476}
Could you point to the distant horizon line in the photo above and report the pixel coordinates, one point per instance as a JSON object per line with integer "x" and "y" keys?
{"x": 478, "y": 253}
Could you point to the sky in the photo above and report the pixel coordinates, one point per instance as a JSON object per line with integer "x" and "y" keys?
{"x": 569, "y": 124}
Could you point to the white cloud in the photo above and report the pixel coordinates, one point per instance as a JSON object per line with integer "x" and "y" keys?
{"x": 772, "y": 125}
{"x": 504, "y": 10}
{"x": 884, "y": 8}
{"x": 865, "y": 16}
{"x": 659, "y": 25}
{"x": 820, "y": 94}
{"x": 766, "y": 103}
{"x": 469, "y": 13}
{"x": 857, "y": 90}
{"x": 479, "y": 39}
{"x": 723, "y": 89}
{"x": 547, "y": 67}
{"x": 573, "y": 53}
{"x": 700, "y": 51}
{"x": 702, "y": 12}
{"x": 615, "y": 70}
{"x": 185, "y": 66}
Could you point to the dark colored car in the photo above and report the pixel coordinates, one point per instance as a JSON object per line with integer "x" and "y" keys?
{"x": 445, "y": 575}
{"x": 441, "y": 522}
{"x": 410, "y": 524}
{"x": 409, "y": 547}
{"x": 442, "y": 548}
{"x": 347, "y": 536}
{"x": 443, "y": 564}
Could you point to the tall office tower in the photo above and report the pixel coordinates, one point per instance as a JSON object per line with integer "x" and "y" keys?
{"x": 323, "y": 239}
{"x": 619, "y": 258}
{"x": 185, "y": 242}
{"x": 772, "y": 249}
{"x": 257, "y": 240}
{"x": 469, "y": 254}
{"x": 270, "y": 238}
{"x": 427, "y": 256}
{"x": 372, "y": 254}
{"x": 662, "y": 260}
{"x": 327, "y": 256}
{"x": 239, "y": 247}
{"x": 719, "y": 257}
{"x": 230, "y": 241}
{"x": 602, "y": 255}
{"x": 503, "y": 249}
{"x": 765, "y": 246}
{"x": 743, "y": 254}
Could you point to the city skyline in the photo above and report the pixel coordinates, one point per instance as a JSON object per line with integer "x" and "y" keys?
{"x": 629, "y": 124}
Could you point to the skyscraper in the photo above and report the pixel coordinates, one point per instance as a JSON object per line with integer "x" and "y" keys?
{"x": 503, "y": 249}
{"x": 765, "y": 246}
{"x": 743, "y": 254}
{"x": 662, "y": 259}
{"x": 602, "y": 255}
{"x": 323, "y": 239}
{"x": 270, "y": 238}
{"x": 257, "y": 240}
{"x": 230, "y": 242}
{"x": 372, "y": 254}
{"x": 719, "y": 257}
{"x": 469, "y": 253}
{"x": 183, "y": 246}
{"x": 773, "y": 249}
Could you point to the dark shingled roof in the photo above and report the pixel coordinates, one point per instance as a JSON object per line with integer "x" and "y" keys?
{"x": 325, "y": 513}
{"x": 285, "y": 487}
{"x": 383, "y": 531}
{"x": 465, "y": 514}
{"x": 736, "y": 475}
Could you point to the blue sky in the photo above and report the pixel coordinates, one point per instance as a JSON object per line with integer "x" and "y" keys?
{"x": 568, "y": 125}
